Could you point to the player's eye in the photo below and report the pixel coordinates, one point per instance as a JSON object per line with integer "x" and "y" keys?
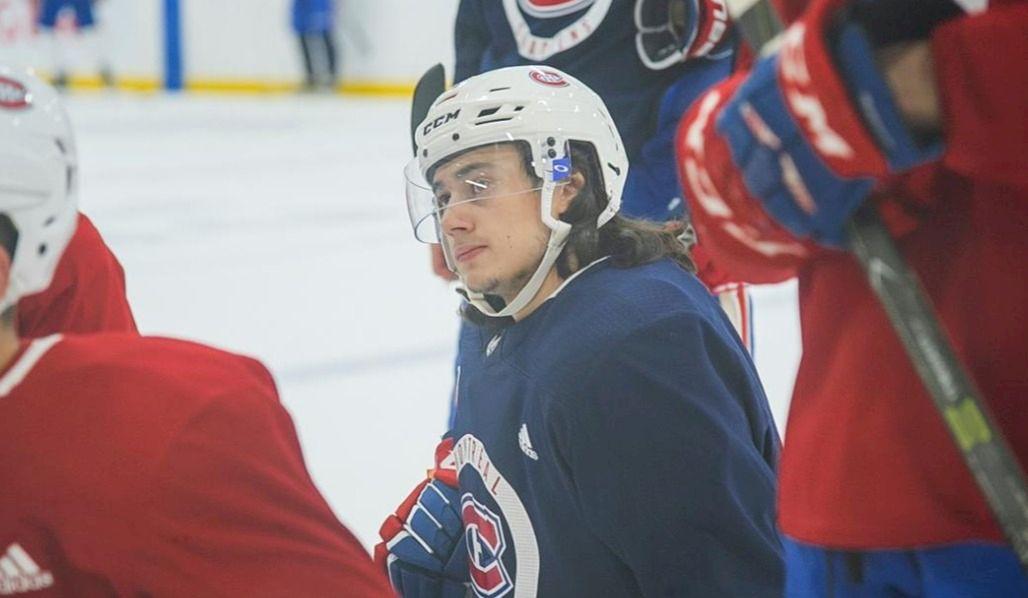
{"x": 477, "y": 187}
{"x": 442, "y": 198}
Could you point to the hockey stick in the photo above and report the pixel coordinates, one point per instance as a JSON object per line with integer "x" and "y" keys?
{"x": 947, "y": 380}
{"x": 430, "y": 86}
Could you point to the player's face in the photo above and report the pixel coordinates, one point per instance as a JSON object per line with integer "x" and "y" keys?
{"x": 490, "y": 221}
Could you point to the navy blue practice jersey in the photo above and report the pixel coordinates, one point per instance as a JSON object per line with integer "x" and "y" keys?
{"x": 617, "y": 442}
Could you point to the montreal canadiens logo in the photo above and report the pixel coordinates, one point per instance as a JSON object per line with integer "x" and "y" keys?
{"x": 545, "y": 9}
{"x": 551, "y": 78}
{"x": 486, "y": 545}
{"x": 13, "y": 94}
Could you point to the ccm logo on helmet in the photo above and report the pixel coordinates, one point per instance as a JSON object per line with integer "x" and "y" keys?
{"x": 439, "y": 121}
{"x": 13, "y": 94}
{"x": 547, "y": 78}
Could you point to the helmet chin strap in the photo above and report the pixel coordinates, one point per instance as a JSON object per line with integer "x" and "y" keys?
{"x": 558, "y": 238}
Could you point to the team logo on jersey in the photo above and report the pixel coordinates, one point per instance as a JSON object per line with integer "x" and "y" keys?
{"x": 13, "y": 94}
{"x": 547, "y": 77}
{"x": 548, "y": 9}
{"x": 538, "y": 48}
{"x": 484, "y": 528}
{"x": 486, "y": 545}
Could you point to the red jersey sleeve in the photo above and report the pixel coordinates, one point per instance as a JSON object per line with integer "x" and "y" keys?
{"x": 984, "y": 96}
{"x": 87, "y": 293}
{"x": 235, "y": 507}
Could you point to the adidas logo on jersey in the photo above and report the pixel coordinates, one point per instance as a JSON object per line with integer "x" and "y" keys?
{"x": 20, "y": 574}
{"x": 495, "y": 342}
{"x": 526, "y": 444}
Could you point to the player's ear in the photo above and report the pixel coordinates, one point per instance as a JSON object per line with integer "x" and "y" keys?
{"x": 8, "y": 241}
{"x": 566, "y": 193}
{"x": 5, "y": 271}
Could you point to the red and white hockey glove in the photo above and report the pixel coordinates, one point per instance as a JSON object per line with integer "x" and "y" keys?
{"x": 423, "y": 549}
{"x": 812, "y": 128}
{"x": 673, "y": 31}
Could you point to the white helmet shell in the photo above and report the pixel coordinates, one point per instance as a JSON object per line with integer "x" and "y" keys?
{"x": 543, "y": 107}
{"x": 540, "y": 105}
{"x": 38, "y": 180}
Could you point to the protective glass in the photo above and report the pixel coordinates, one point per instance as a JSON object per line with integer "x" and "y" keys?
{"x": 489, "y": 173}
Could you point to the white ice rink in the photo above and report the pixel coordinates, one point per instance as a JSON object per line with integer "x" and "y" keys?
{"x": 276, "y": 227}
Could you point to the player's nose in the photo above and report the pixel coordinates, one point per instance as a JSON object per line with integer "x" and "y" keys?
{"x": 456, "y": 217}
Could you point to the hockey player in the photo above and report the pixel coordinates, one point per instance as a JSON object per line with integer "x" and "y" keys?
{"x": 612, "y": 437}
{"x": 912, "y": 107}
{"x": 132, "y": 465}
{"x": 647, "y": 59}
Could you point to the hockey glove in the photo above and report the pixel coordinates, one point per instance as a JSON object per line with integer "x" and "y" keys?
{"x": 423, "y": 548}
{"x": 673, "y": 31}
{"x": 815, "y": 125}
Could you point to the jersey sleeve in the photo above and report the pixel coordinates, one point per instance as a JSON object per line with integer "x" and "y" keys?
{"x": 983, "y": 99}
{"x": 241, "y": 514}
{"x": 87, "y": 294}
{"x": 671, "y": 459}
{"x": 471, "y": 39}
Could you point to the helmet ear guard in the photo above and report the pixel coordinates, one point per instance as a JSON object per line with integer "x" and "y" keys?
{"x": 540, "y": 106}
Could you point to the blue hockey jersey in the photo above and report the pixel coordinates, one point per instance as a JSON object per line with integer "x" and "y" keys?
{"x": 593, "y": 40}
{"x": 617, "y": 442}
{"x": 313, "y": 16}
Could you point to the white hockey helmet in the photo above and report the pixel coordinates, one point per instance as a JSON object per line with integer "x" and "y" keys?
{"x": 540, "y": 106}
{"x": 38, "y": 165}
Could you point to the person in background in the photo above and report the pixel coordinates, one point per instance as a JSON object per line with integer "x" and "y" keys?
{"x": 314, "y": 23}
{"x": 89, "y": 36}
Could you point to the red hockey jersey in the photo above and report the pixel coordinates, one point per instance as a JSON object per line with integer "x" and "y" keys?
{"x": 143, "y": 466}
{"x": 867, "y": 461}
{"x": 87, "y": 293}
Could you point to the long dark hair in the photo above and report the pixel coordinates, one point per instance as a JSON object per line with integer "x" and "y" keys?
{"x": 628, "y": 242}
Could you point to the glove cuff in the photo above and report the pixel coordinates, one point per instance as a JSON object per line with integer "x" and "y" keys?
{"x": 902, "y": 146}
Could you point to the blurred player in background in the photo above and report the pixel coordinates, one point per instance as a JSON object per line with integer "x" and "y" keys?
{"x": 612, "y": 437}
{"x": 910, "y": 106}
{"x": 88, "y": 30}
{"x": 314, "y": 24}
{"x": 133, "y": 465}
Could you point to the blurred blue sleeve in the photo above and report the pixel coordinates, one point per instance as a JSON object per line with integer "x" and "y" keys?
{"x": 470, "y": 39}
{"x": 652, "y": 191}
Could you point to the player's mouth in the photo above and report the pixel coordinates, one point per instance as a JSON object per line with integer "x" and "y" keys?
{"x": 468, "y": 252}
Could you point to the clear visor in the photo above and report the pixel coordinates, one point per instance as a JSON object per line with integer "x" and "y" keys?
{"x": 490, "y": 173}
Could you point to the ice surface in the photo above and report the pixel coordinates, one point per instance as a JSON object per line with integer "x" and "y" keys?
{"x": 276, "y": 227}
